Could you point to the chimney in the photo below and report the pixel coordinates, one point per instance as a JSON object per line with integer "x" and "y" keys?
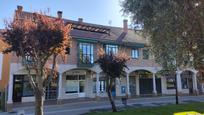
{"x": 59, "y": 14}
{"x": 80, "y": 20}
{"x": 125, "y": 25}
{"x": 20, "y": 8}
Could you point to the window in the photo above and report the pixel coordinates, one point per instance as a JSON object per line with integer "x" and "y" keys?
{"x": 72, "y": 84}
{"x": 86, "y": 53}
{"x": 1, "y": 64}
{"x": 75, "y": 83}
{"x": 28, "y": 60}
{"x": 102, "y": 86}
{"x": 22, "y": 85}
{"x": 135, "y": 53}
{"x": 170, "y": 83}
{"x": 27, "y": 88}
{"x": 184, "y": 83}
{"x": 145, "y": 54}
{"x": 111, "y": 49}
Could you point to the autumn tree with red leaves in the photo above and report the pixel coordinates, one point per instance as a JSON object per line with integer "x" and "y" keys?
{"x": 35, "y": 39}
{"x": 113, "y": 66}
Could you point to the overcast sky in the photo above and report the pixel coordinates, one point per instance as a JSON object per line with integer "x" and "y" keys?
{"x": 105, "y": 12}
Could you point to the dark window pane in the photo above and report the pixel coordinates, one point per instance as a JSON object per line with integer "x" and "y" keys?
{"x": 145, "y": 54}
{"x": 27, "y": 89}
{"x": 170, "y": 83}
{"x": 184, "y": 82}
{"x": 72, "y": 77}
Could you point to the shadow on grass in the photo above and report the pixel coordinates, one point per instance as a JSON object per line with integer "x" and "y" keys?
{"x": 157, "y": 110}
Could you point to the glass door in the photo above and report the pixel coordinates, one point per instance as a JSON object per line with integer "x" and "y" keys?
{"x": 81, "y": 85}
{"x": 132, "y": 85}
{"x": 17, "y": 88}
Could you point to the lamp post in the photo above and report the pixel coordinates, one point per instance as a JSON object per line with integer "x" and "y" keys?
{"x": 176, "y": 87}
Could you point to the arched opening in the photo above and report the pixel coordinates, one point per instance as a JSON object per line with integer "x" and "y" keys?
{"x": 78, "y": 83}
{"x": 187, "y": 81}
{"x": 142, "y": 83}
{"x": 23, "y": 92}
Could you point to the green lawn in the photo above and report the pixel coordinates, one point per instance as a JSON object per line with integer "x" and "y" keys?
{"x": 161, "y": 110}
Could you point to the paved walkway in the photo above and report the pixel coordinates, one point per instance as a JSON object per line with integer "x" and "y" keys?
{"x": 78, "y": 108}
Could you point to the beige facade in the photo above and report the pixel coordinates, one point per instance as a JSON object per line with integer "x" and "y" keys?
{"x": 87, "y": 81}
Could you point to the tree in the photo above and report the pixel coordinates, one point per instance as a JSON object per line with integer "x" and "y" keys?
{"x": 114, "y": 67}
{"x": 35, "y": 39}
{"x": 175, "y": 29}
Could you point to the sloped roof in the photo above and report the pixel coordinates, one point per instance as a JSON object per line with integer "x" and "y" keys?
{"x": 116, "y": 34}
{"x": 102, "y": 33}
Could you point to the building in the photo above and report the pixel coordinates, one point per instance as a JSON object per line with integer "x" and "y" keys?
{"x": 80, "y": 77}
{"x": 4, "y": 72}
{"x": 4, "y": 66}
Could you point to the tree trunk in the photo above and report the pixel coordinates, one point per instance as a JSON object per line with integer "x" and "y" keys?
{"x": 39, "y": 93}
{"x": 39, "y": 104}
{"x": 112, "y": 102}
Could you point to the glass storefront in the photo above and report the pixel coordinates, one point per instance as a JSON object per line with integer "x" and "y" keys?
{"x": 22, "y": 88}
{"x": 75, "y": 84}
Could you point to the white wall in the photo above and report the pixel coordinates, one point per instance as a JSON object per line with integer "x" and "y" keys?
{"x": 1, "y": 65}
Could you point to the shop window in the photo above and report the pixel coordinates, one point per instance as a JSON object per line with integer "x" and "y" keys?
{"x": 170, "y": 83}
{"x": 102, "y": 86}
{"x": 123, "y": 89}
{"x": 27, "y": 89}
{"x": 75, "y": 83}
{"x": 184, "y": 82}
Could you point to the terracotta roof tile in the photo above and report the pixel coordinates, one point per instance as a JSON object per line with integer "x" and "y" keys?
{"x": 116, "y": 33}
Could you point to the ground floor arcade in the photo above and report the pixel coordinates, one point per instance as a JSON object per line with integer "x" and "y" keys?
{"x": 73, "y": 82}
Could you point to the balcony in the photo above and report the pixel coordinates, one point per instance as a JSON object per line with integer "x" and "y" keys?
{"x": 85, "y": 62}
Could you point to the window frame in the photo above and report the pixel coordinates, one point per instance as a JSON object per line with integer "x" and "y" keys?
{"x": 102, "y": 86}
{"x": 88, "y": 52}
{"x": 170, "y": 82}
{"x": 109, "y": 48}
{"x": 77, "y": 79}
{"x": 145, "y": 53}
{"x": 184, "y": 83}
{"x": 136, "y": 54}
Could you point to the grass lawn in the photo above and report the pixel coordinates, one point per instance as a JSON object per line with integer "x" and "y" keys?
{"x": 160, "y": 110}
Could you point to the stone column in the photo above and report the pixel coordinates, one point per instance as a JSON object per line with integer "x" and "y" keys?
{"x": 127, "y": 85}
{"x": 178, "y": 78}
{"x": 137, "y": 86}
{"x": 10, "y": 94}
{"x": 97, "y": 85}
{"x": 59, "y": 98}
{"x": 195, "y": 87}
{"x": 154, "y": 85}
